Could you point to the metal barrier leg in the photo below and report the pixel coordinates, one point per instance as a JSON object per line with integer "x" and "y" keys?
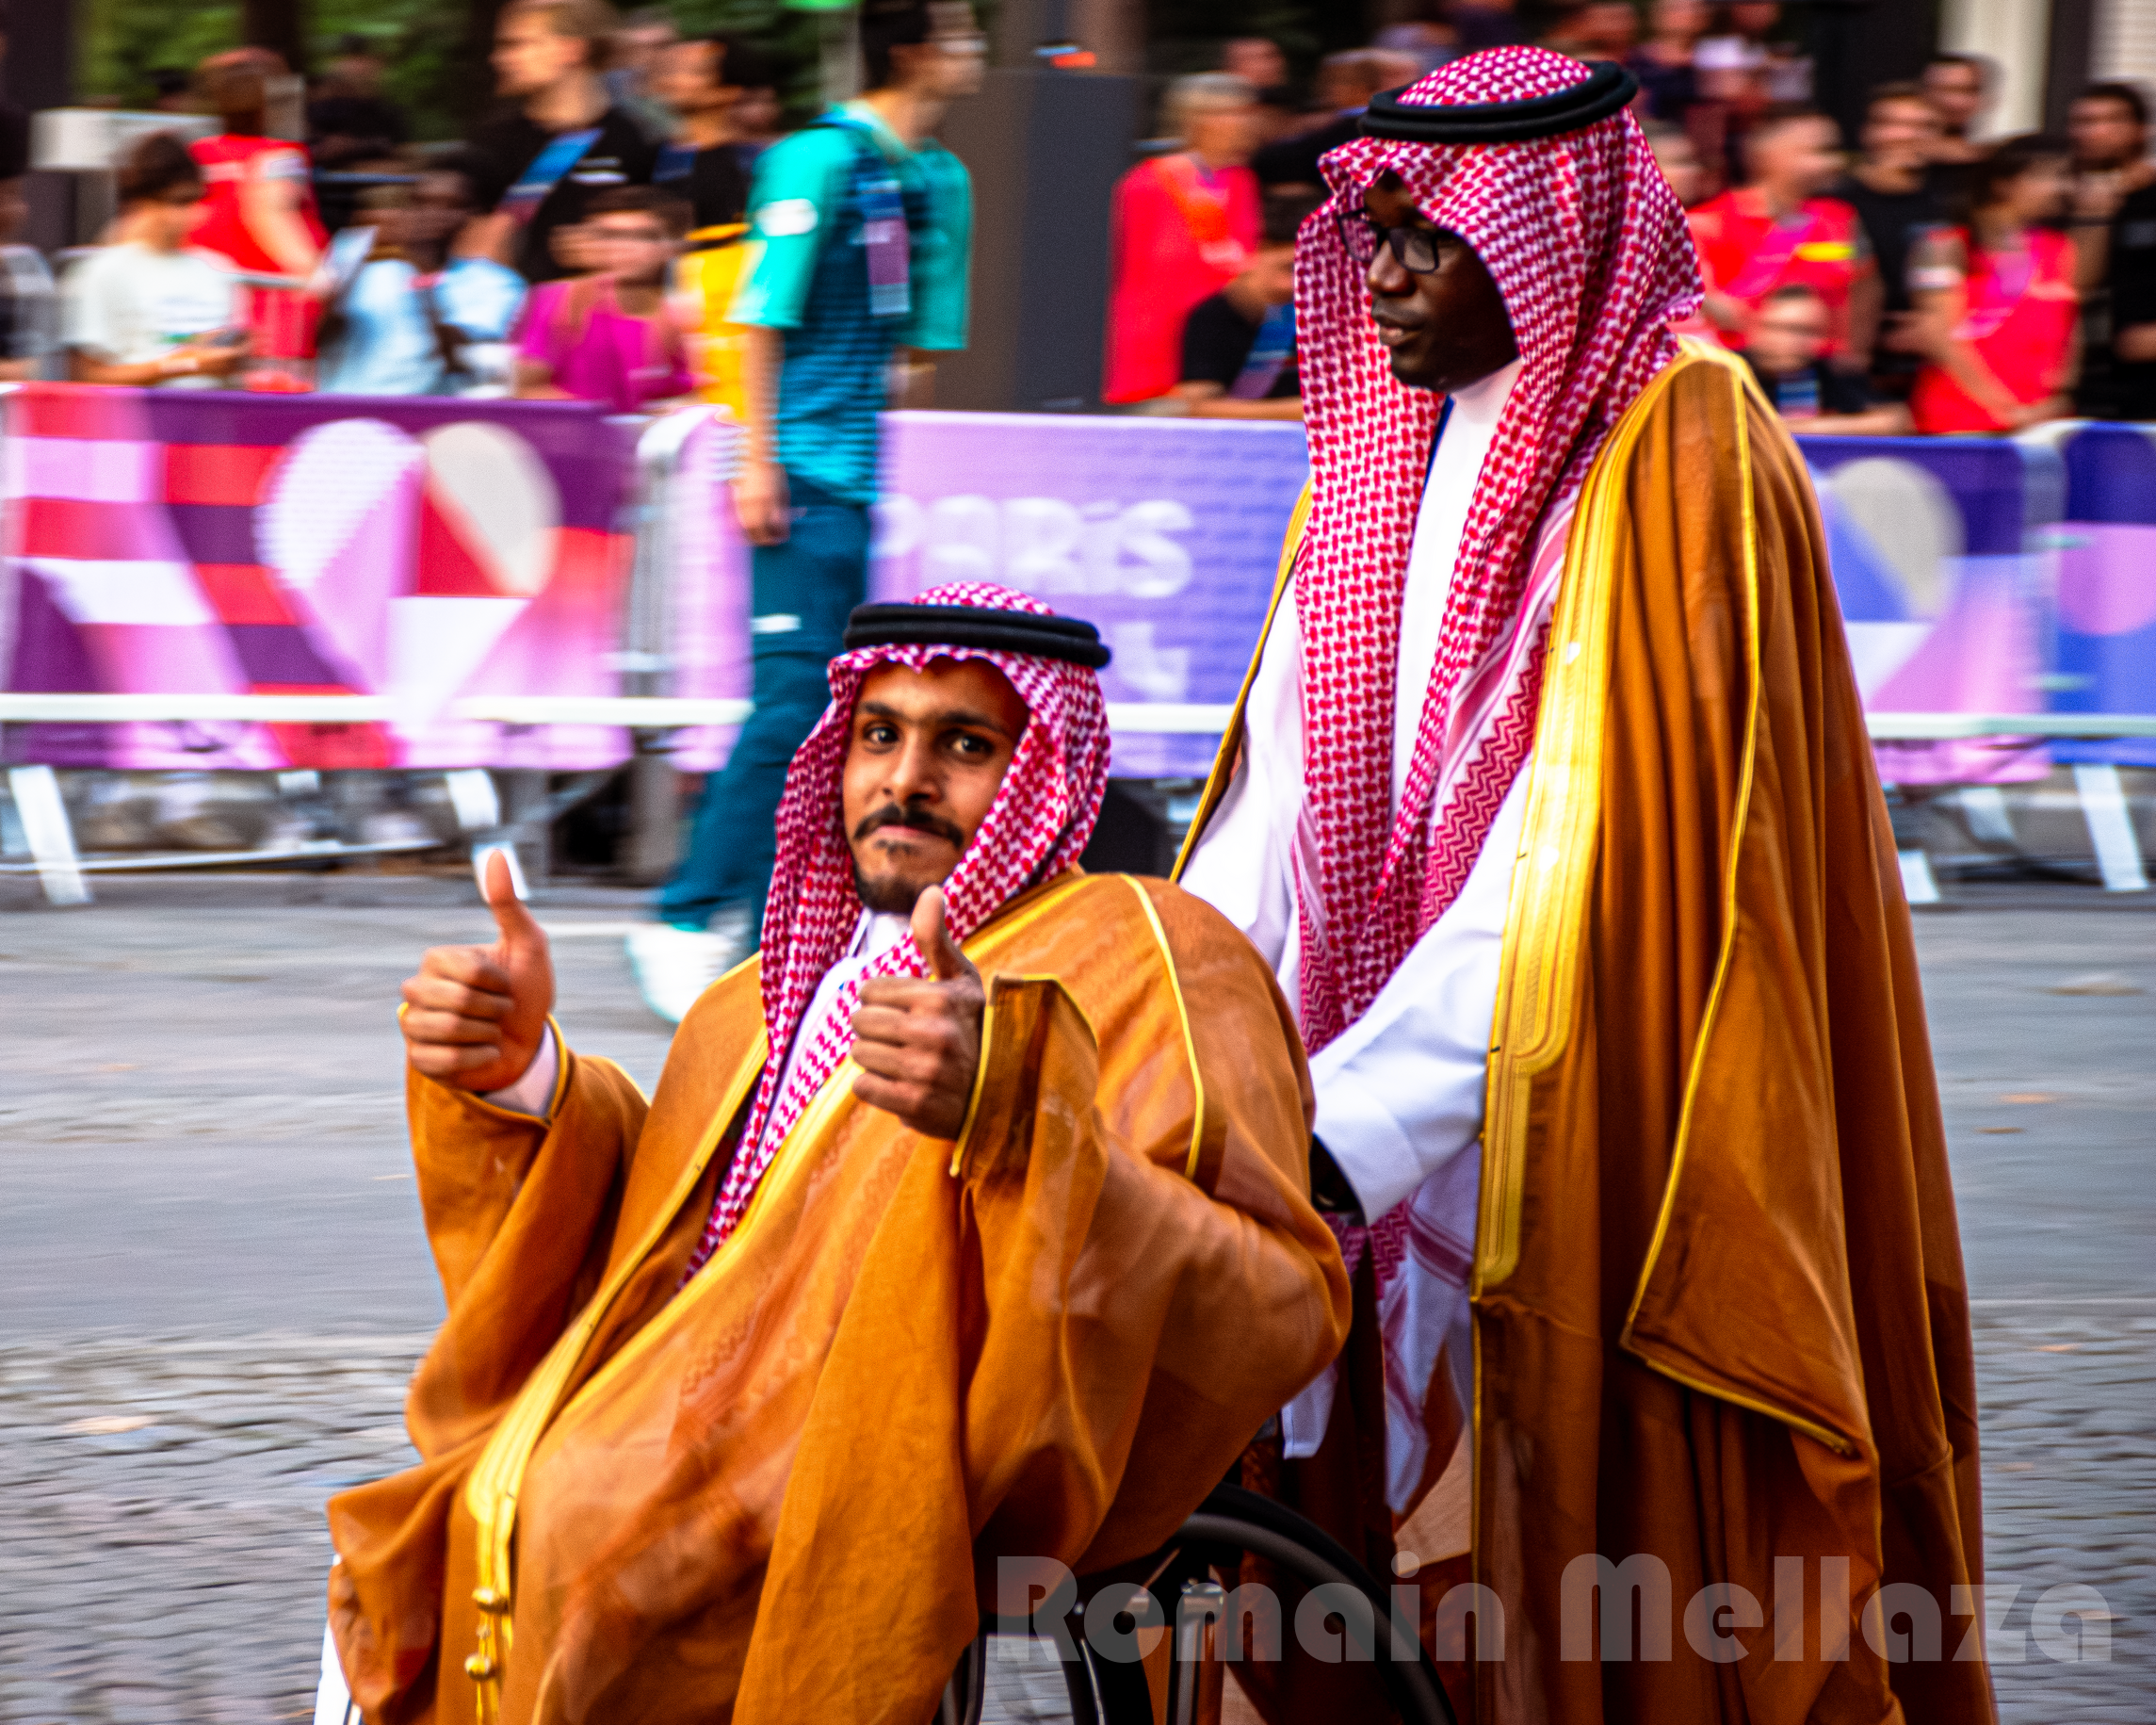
{"x": 472, "y": 796}
{"x": 44, "y": 816}
{"x": 2111, "y": 828}
{"x": 1917, "y": 884}
{"x": 655, "y": 810}
{"x": 1984, "y": 808}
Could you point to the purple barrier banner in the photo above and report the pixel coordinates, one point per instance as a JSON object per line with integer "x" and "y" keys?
{"x": 707, "y": 612}
{"x": 424, "y": 552}
{"x": 435, "y": 553}
{"x": 1941, "y": 560}
{"x": 1165, "y": 532}
{"x": 2106, "y": 637}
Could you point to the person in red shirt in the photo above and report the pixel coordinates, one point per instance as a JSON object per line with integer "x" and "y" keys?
{"x": 1779, "y": 232}
{"x": 260, "y": 213}
{"x": 1181, "y": 228}
{"x": 1996, "y": 301}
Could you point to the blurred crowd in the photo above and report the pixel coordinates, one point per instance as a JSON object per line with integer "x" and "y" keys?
{"x": 586, "y": 241}
{"x": 1923, "y": 277}
{"x": 582, "y": 242}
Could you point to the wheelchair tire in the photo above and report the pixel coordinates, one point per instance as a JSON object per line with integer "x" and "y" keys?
{"x": 1231, "y": 1521}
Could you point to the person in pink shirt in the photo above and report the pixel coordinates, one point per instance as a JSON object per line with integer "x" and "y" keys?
{"x": 612, "y": 337}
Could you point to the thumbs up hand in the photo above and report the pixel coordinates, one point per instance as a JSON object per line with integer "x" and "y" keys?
{"x": 476, "y": 1016}
{"x": 917, "y": 1041}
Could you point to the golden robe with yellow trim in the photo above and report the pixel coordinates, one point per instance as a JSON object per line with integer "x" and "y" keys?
{"x": 1719, "y": 1311}
{"x": 768, "y": 1496}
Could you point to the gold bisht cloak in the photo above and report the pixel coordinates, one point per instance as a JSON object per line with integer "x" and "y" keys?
{"x": 1718, "y": 1311}
{"x": 779, "y": 1493}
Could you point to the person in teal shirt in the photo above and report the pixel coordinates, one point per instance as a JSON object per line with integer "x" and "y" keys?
{"x": 860, "y": 227}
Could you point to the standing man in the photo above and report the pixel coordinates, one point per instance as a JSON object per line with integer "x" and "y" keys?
{"x": 703, "y": 81}
{"x": 1634, "y": 1149}
{"x": 1780, "y": 228}
{"x": 1958, "y": 87}
{"x": 863, "y": 226}
{"x": 1888, "y": 189}
{"x": 2114, "y": 238}
{"x": 565, "y": 141}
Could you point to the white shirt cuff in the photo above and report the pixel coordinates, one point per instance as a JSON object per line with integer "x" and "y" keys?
{"x": 1367, "y": 1145}
{"x": 532, "y": 1094}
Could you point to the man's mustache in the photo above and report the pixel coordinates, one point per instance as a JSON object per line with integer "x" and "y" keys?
{"x": 913, "y": 820}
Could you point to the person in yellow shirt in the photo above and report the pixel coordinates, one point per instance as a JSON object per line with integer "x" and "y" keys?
{"x": 705, "y": 81}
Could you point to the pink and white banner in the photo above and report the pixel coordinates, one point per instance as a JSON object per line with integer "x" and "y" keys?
{"x": 430, "y": 553}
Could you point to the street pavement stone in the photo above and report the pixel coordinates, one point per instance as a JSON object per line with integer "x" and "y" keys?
{"x": 216, "y": 1286}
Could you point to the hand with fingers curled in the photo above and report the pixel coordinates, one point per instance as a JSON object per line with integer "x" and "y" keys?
{"x": 474, "y": 1018}
{"x": 917, "y": 1039}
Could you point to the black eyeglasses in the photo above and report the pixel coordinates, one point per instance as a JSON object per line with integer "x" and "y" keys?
{"x": 1416, "y": 248}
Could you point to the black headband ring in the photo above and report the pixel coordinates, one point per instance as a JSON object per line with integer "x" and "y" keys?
{"x": 1072, "y": 640}
{"x": 1604, "y": 91}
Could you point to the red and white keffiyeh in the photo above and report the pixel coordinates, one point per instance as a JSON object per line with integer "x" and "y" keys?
{"x": 1590, "y": 250}
{"x": 1039, "y": 823}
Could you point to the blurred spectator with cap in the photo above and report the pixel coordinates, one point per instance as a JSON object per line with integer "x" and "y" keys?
{"x": 1346, "y": 82}
{"x": 2114, "y": 232}
{"x": 1889, "y": 189}
{"x": 1786, "y": 349}
{"x": 1181, "y": 226}
{"x": 419, "y": 311}
{"x": 152, "y": 309}
{"x": 564, "y": 140}
{"x": 1997, "y": 297}
{"x": 863, "y": 228}
{"x": 1238, "y": 345}
{"x": 260, "y": 213}
{"x": 1782, "y": 228}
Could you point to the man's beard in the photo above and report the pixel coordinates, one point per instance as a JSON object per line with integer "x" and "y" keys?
{"x": 892, "y": 894}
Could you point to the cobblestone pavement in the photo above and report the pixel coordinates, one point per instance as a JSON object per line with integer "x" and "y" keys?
{"x": 215, "y": 1286}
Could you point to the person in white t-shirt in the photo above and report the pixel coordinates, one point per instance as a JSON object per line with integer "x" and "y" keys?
{"x": 150, "y": 309}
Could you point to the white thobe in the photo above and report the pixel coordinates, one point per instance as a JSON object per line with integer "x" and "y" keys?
{"x": 1399, "y": 1091}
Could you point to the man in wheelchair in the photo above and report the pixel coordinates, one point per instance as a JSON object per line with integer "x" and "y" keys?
{"x": 969, "y": 1219}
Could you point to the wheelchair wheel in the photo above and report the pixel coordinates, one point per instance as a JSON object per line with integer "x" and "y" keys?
{"x": 1229, "y": 1522}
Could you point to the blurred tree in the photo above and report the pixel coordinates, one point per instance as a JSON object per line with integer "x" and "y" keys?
{"x": 435, "y": 49}
{"x": 126, "y": 41}
{"x": 276, "y": 24}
